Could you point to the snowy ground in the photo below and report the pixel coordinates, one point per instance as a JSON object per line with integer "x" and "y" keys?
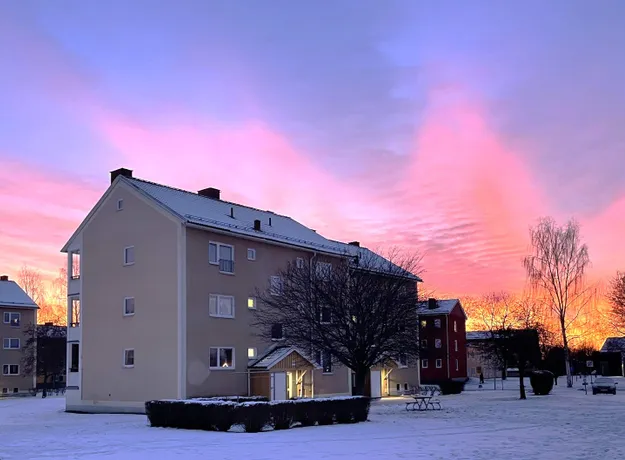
{"x": 478, "y": 424}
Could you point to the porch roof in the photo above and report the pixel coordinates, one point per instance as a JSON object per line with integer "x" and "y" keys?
{"x": 275, "y": 354}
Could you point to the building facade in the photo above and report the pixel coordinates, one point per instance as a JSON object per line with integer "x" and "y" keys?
{"x": 442, "y": 333}
{"x": 175, "y": 274}
{"x": 19, "y": 315}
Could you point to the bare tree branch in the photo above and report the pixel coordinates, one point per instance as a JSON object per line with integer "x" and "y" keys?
{"x": 616, "y": 297}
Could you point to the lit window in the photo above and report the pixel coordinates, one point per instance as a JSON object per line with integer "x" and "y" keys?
{"x": 424, "y": 363}
{"x": 251, "y": 353}
{"x": 221, "y": 358}
{"x": 221, "y": 306}
{"x": 251, "y": 254}
{"x": 129, "y": 306}
{"x": 129, "y": 255}
{"x": 129, "y": 358}
{"x": 437, "y": 323}
{"x": 439, "y": 363}
{"x": 12, "y": 318}
{"x": 424, "y": 323}
{"x": 11, "y": 344}
{"x": 251, "y": 302}
{"x": 438, "y": 343}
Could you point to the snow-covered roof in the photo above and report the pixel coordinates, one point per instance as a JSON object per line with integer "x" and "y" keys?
{"x": 273, "y": 355}
{"x": 443, "y": 307}
{"x": 612, "y": 344}
{"x": 12, "y": 295}
{"x": 479, "y": 335}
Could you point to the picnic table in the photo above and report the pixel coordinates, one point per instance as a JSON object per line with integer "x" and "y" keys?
{"x": 423, "y": 401}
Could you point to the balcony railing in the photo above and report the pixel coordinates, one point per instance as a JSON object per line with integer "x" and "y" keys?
{"x": 226, "y": 266}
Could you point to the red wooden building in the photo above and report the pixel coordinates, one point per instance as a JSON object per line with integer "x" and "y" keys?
{"x": 442, "y": 331}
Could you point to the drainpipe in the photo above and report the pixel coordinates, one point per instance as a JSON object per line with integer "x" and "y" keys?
{"x": 448, "y": 351}
{"x": 249, "y": 385}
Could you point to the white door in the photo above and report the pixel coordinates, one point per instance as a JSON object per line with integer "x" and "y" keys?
{"x": 278, "y": 386}
{"x": 376, "y": 384}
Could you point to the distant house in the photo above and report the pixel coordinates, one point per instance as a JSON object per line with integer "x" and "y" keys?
{"x": 611, "y": 358}
{"x": 478, "y": 361}
{"x": 19, "y": 312}
{"x": 442, "y": 331}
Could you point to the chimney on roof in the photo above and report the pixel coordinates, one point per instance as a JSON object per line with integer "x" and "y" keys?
{"x": 121, "y": 172}
{"x": 354, "y": 243}
{"x": 232, "y": 211}
{"x": 210, "y": 192}
{"x": 270, "y": 221}
{"x": 4, "y": 278}
{"x": 257, "y": 225}
{"x": 432, "y": 304}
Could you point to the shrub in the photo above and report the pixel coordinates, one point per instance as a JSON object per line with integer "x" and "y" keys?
{"x": 449, "y": 387}
{"x": 542, "y": 382}
{"x": 219, "y": 415}
{"x": 239, "y": 399}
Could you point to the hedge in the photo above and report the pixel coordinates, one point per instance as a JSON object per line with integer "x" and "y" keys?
{"x": 542, "y": 382}
{"x": 214, "y": 414}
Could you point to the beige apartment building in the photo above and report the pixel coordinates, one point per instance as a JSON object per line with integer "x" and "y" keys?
{"x": 18, "y": 312}
{"x": 161, "y": 302}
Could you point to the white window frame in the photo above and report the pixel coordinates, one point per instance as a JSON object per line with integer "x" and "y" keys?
{"x": 126, "y": 263}
{"x": 457, "y": 365}
{"x": 455, "y": 345}
{"x": 218, "y": 367}
{"x": 438, "y": 343}
{"x": 8, "y": 367}
{"x": 6, "y": 343}
{"x": 275, "y": 290}
{"x": 125, "y": 305}
{"x": 125, "y": 358}
{"x": 218, "y": 298}
{"x": 9, "y": 315}
{"x": 253, "y": 301}
{"x": 253, "y": 352}
{"x": 323, "y": 269}
{"x": 75, "y": 261}
{"x": 299, "y": 262}
{"x": 437, "y": 323}
{"x": 120, "y": 204}
{"x": 76, "y": 313}
{"x": 455, "y": 326}
{"x": 439, "y": 361}
{"x": 424, "y": 363}
{"x": 218, "y": 245}
{"x": 251, "y": 254}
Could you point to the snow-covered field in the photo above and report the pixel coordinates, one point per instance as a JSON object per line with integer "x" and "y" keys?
{"x": 477, "y": 425}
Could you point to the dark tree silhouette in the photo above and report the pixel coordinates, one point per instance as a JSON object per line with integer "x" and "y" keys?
{"x": 360, "y": 311}
{"x": 45, "y": 352}
{"x": 616, "y": 296}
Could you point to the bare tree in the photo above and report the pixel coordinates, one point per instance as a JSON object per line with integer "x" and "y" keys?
{"x": 557, "y": 267}
{"x": 31, "y": 281}
{"x": 616, "y": 296}
{"x": 360, "y": 311}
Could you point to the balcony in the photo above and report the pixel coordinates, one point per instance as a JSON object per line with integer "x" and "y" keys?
{"x": 226, "y": 266}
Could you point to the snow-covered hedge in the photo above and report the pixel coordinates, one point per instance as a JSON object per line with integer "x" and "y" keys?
{"x": 256, "y": 415}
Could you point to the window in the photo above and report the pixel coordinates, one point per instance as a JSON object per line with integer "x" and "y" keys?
{"x": 221, "y": 358}
{"x": 222, "y": 255}
{"x": 325, "y": 316}
{"x": 251, "y": 303}
{"x": 251, "y": 254}
{"x": 323, "y": 269}
{"x": 424, "y": 343}
{"x": 129, "y": 306}
{"x": 251, "y": 353}
{"x": 276, "y": 332}
{"x": 120, "y": 204}
{"x": 75, "y": 265}
{"x": 403, "y": 360}
{"x": 438, "y": 343}
{"x": 129, "y": 357}
{"x": 439, "y": 363}
{"x": 405, "y": 387}
{"x": 455, "y": 326}
{"x": 326, "y": 362}
{"x": 455, "y": 345}
{"x": 11, "y": 344}
{"x": 129, "y": 255}
{"x": 457, "y": 365}
{"x": 398, "y": 387}
{"x": 424, "y": 364}
{"x": 5, "y": 390}
{"x": 12, "y": 318}
{"x": 221, "y": 306}
{"x": 73, "y": 365}
{"x": 275, "y": 285}
{"x": 75, "y": 313}
{"x": 10, "y": 369}
{"x": 437, "y": 323}
{"x": 16, "y": 390}
{"x": 299, "y": 262}
{"x": 424, "y": 323}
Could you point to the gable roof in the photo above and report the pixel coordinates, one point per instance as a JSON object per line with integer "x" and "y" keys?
{"x": 273, "y": 355}
{"x": 12, "y": 295}
{"x": 443, "y": 307}
{"x": 478, "y": 335}
{"x": 614, "y": 344}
